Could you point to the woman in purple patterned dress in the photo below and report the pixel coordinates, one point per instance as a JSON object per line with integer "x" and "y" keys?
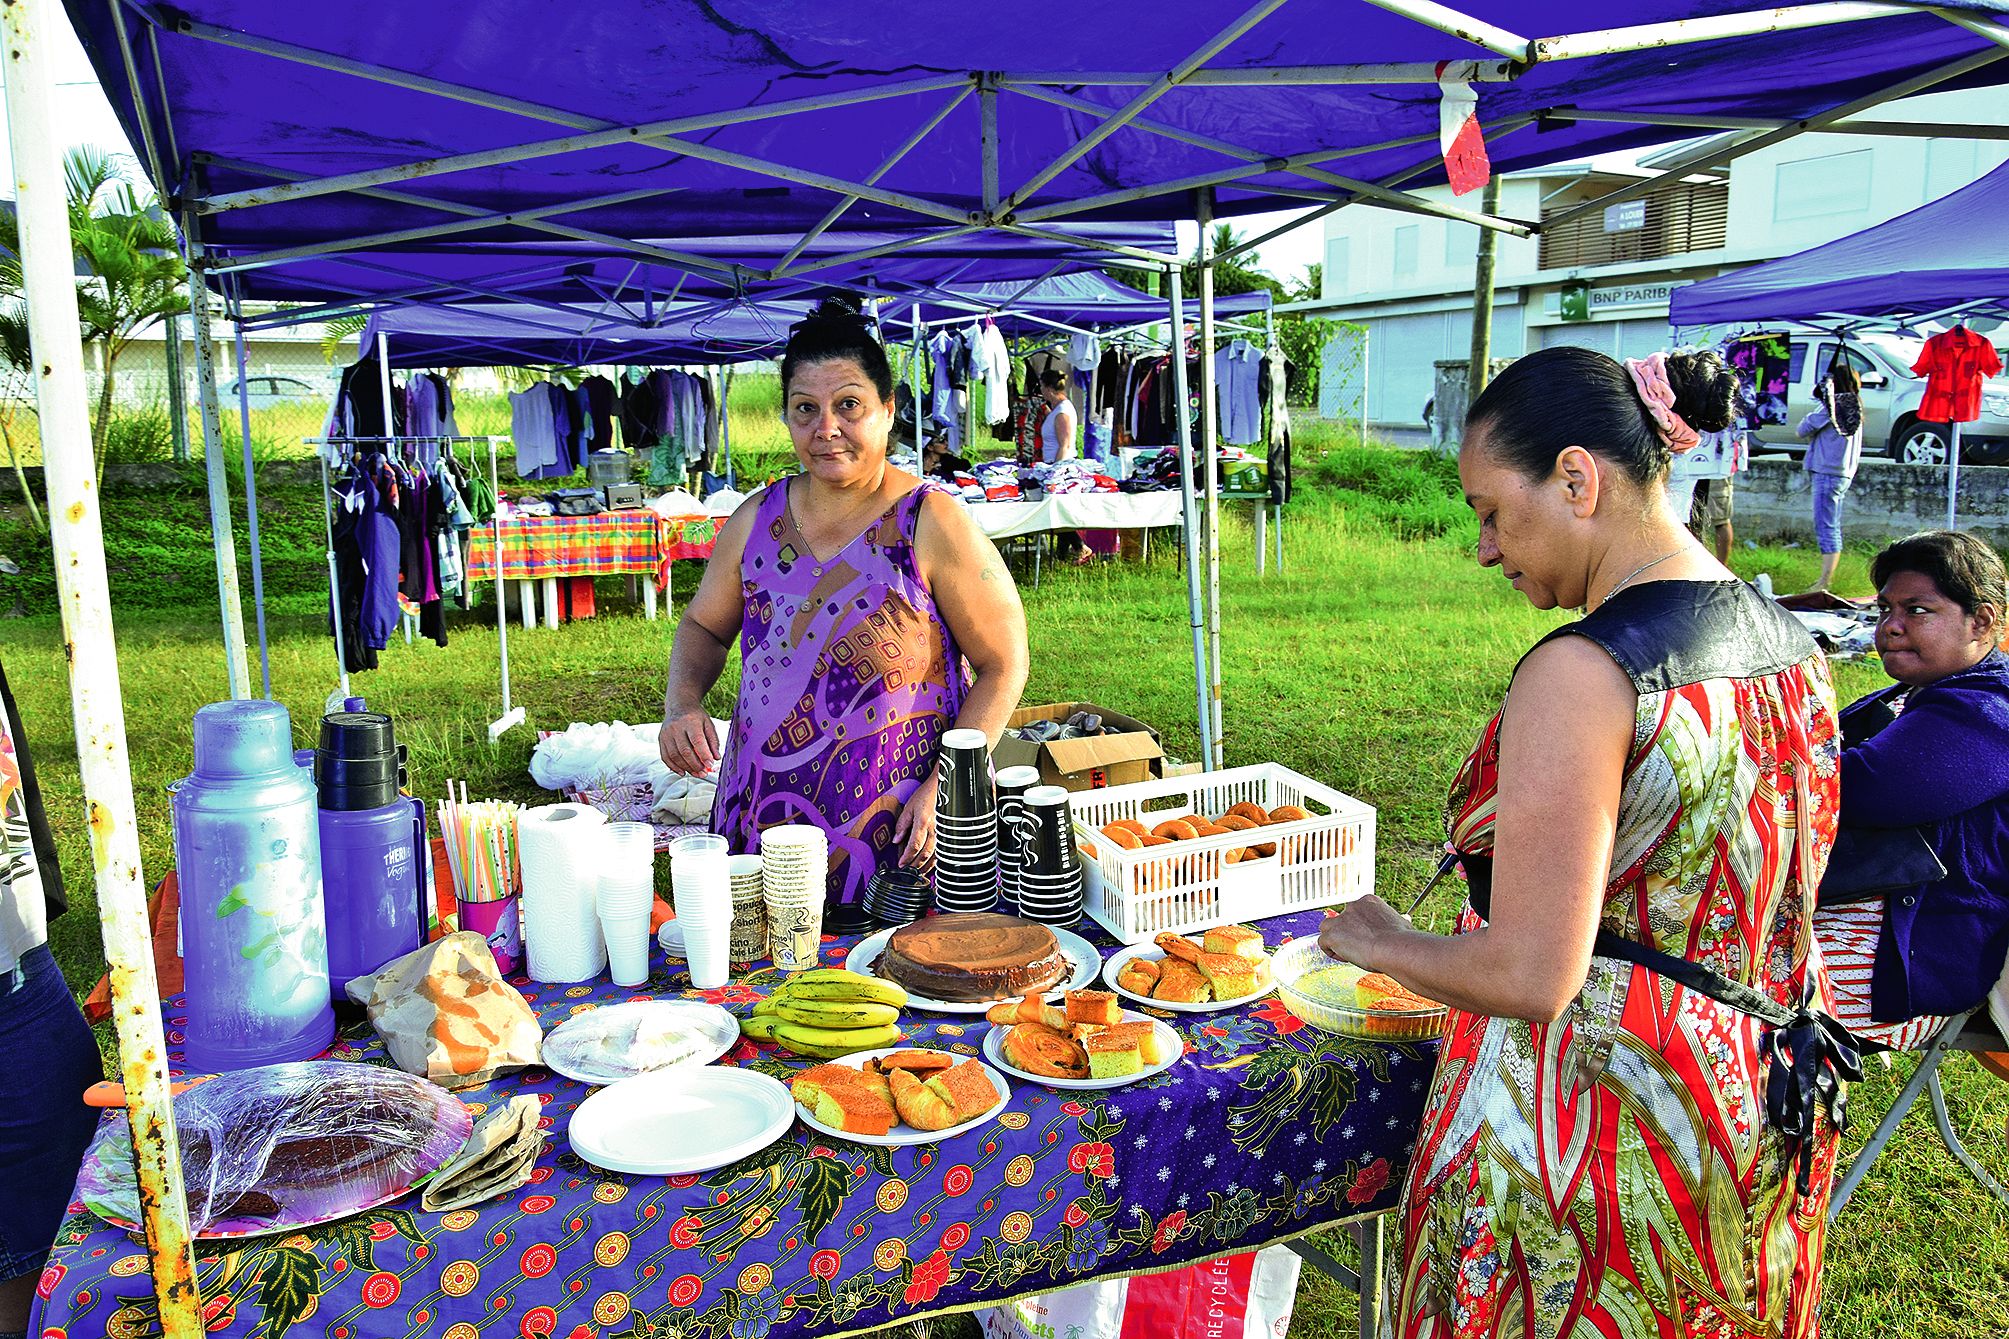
{"x": 872, "y": 616}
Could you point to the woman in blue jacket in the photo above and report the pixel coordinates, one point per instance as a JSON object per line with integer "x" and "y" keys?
{"x": 1834, "y": 435}
{"x": 1930, "y": 752}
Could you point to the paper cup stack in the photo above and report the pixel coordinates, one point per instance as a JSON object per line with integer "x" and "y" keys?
{"x": 1050, "y": 887}
{"x": 749, "y": 910}
{"x": 1014, "y": 827}
{"x": 700, "y": 876}
{"x": 795, "y": 874}
{"x": 560, "y": 855}
{"x": 966, "y": 827}
{"x": 627, "y": 891}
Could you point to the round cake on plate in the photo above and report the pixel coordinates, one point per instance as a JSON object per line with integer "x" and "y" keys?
{"x": 973, "y": 957}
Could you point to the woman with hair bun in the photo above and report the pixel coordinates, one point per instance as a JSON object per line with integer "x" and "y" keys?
{"x": 872, "y": 615}
{"x": 1642, "y": 825}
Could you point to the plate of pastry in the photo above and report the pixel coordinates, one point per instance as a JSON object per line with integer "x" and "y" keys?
{"x": 964, "y": 962}
{"x": 619, "y": 1041}
{"x": 1080, "y": 1039}
{"x": 1226, "y": 966}
{"x": 900, "y": 1095}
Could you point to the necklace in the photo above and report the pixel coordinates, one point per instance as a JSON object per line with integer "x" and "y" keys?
{"x": 1627, "y": 579}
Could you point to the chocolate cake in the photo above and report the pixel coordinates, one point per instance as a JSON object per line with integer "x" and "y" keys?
{"x": 968, "y": 958}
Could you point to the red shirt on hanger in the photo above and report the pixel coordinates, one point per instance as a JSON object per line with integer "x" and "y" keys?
{"x": 1955, "y": 362}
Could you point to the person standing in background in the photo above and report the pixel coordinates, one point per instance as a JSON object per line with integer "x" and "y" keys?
{"x": 52, "y": 1057}
{"x": 1833, "y": 432}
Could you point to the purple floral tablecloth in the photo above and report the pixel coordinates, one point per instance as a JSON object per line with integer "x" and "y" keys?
{"x": 1264, "y": 1129}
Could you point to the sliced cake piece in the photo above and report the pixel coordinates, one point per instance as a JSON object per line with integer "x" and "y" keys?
{"x": 1114, "y": 1053}
{"x": 1093, "y": 1006}
{"x": 854, "y": 1110}
{"x": 1231, "y": 977}
{"x": 1237, "y": 941}
{"x": 809, "y": 1086}
{"x": 1151, "y": 1043}
{"x": 921, "y": 1062}
{"x": 967, "y": 1088}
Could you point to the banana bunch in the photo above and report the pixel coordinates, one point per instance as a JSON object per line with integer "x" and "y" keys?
{"x": 827, "y": 1012}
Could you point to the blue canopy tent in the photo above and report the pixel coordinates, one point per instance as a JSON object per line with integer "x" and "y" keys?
{"x": 1948, "y": 258}
{"x": 506, "y": 335}
{"x": 282, "y": 133}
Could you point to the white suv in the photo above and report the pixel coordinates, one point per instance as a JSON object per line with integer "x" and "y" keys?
{"x": 1890, "y": 395}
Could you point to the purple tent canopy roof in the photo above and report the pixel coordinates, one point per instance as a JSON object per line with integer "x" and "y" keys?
{"x": 503, "y": 335}
{"x": 234, "y": 109}
{"x": 1951, "y": 252}
{"x": 575, "y": 272}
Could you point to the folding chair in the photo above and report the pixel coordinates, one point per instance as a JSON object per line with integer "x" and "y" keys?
{"x": 1971, "y": 1031}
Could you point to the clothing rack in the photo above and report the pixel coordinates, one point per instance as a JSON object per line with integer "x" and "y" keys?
{"x": 511, "y": 714}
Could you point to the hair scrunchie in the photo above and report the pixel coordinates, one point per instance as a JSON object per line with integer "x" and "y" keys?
{"x": 1649, "y": 379}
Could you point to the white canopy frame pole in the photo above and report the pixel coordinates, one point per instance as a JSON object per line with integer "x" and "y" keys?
{"x": 251, "y": 502}
{"x": 222, "y": 535}
{"x": 1953, "y": 477}
{"x": 334, "y": 570}
{"x": 96, "y": 703}
{"x": 1189, "y": 515}
{"x": 1209, "y": 434}
{"x": 511, "y": 713}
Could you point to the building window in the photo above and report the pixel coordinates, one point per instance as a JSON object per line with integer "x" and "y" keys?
{"x": 1337, "y": 276}
{"x": 1949, "y": 165}
{"x": 1405, "y": 250}
{"x": 1824, "y": 187}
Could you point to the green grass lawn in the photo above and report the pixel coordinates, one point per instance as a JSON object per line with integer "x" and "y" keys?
{"x": 1369, "y": 663}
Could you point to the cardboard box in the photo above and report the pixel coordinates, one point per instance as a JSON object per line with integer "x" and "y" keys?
{"x": 1127, "y": 751}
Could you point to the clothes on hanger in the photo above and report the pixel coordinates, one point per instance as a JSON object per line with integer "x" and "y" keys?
{"x": 1237, "y": 398}
{"x": 1763, "y": 364}
{"x": 534, "y": 428}
{"x": 600, "y": 403}
{"x": 359, "y": 403}
{"x": 1955, "y": 363}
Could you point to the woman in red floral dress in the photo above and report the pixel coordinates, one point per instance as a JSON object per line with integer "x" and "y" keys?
{"x": 1597, "y": 1156}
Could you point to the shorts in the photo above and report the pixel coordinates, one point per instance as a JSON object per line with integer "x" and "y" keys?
{"x": 44, "y": 1125}
{"x": 1829, "y": 489}
{"x": 1712, "y": 506}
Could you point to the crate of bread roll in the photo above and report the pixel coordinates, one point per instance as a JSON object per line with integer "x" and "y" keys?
{"x": 1187, "y": 852}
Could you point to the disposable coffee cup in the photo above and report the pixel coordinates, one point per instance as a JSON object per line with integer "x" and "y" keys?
{"x": 794, "y": 933}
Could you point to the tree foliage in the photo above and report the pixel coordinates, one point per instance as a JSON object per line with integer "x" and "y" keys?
{"x": 129, "y": 270}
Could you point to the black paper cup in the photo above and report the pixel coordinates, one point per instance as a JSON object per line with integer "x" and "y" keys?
{"x": 964, "y": 789}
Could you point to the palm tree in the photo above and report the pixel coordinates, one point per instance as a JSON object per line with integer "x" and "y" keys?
{"x": 129, "y": 268}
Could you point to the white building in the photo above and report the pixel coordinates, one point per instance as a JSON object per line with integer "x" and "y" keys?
{"x": 1408, "y": 278}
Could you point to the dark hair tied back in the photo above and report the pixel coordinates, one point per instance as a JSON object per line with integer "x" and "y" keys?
{"x": 837, "y": 329}
{"x": 1567, "y": 396}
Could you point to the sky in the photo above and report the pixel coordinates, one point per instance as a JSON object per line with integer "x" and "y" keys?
{"x": 86, "y": 117}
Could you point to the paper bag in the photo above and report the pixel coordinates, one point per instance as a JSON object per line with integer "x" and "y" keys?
{"x": 497, "y": 1158}
{"x": 445, "y": 1013}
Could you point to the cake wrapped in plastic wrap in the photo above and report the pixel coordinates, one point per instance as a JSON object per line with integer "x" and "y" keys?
{"x": 285, "y": 1146}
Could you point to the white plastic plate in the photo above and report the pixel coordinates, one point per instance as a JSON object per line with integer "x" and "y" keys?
{"x": 597, "y": 1046}
{"x": 906, "y": 1134}
{"x": 687, "y": 1119}
{"x": 1152, "y": 953}
{"x": 1169, "y": 1039}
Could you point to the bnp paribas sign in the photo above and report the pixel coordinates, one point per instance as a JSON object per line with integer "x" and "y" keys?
{"x": 1580, "y": 301}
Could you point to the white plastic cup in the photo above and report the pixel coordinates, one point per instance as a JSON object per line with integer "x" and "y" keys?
{"x": 707, "y": 948}
{"x": 627, "y": 947}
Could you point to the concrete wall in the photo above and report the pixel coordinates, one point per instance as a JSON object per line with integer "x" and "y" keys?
{"x": 1774, "y": 500}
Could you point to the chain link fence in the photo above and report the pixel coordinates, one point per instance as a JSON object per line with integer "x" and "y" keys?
{"x": 1343, "y": 368}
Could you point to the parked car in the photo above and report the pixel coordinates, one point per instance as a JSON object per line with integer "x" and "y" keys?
{"x": 1890, "y": 397}
{"x": 268, "y": 391}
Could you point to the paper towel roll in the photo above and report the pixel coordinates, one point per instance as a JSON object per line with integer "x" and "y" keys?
{"x": 559, "y": 846}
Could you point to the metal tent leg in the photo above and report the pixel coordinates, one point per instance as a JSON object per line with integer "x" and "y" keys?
{"x": 1365, "y": 1283}
{"x": 223, "y": 538}
{"x": 1958, "y": 1149}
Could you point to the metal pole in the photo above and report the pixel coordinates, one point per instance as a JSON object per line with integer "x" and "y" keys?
{"x": 511, "y": 715}
{"x": 914, "y": 386}
{"x": 384, "y": 381}
{"x": 1366, "y": 368}
{"x": 1953, "y": 479}
{"x": 177, "y": 392}
{"x": 334, "y": 573}
{"x": 222, "y": 536}
{"x": 97, "y": 707}
{"x": 1209, "y": 433}
{"x": 1480, "y": 370}
{"x": 1183, "y": 437}
{"x": 251, "y": 508}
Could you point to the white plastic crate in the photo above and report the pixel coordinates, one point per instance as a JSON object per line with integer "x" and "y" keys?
{"x": 1320, "y": 861}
